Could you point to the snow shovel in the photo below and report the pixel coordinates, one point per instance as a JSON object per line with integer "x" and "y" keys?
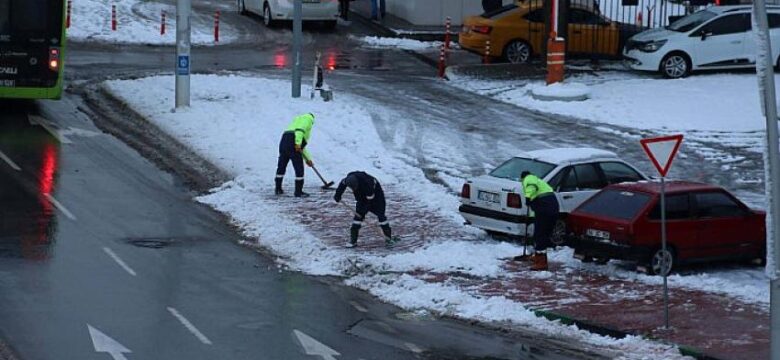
{"x": 389, "y": 241}
{"x": 526, "y": 256}
{"x": 326, "y": 184}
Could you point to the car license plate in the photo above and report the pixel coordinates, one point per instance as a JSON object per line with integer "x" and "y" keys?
{"x": 488, "y": 196}
{"x": 597, "y": 234}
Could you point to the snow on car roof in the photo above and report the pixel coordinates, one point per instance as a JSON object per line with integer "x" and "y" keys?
{"x": 561, "y": 155}
{"x": 671, "y": 186}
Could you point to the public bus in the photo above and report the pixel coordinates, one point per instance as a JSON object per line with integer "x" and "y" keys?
{"x": 32, "y": 44}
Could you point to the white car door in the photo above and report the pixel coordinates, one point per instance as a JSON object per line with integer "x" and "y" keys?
{"x": 721, "y": 42}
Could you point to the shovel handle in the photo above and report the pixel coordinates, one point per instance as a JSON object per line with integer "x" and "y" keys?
{"x": 318, "y": 175}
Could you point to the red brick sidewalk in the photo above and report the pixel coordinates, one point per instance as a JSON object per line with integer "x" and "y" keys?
{"x": 716, "y": 325}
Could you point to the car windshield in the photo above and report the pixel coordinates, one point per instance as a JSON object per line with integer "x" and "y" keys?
{"x": 691, "y": 21}
{"x": 498, "y": 11}
{"x": 615, "y": 204}
{"x": 512, "y": 168}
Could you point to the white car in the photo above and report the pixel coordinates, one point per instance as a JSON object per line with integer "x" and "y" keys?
{"x": 495, "y": 202}
{"x": 717, "y": 37}
{"x": 277, "y": 10}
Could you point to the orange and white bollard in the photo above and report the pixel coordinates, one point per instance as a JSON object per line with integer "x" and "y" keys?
{"x": 67, "y": 18}
{"x": 216, "y": 27}
{"x": 486, "y": 59}
{"x": 162, "y": 23}
{"x": 556, "y": 55}
{"x": 639, "y": 21}
{"x": 113, "y": 17}
{"x": 447, "y": 37}
{"x": 442, "y": 62}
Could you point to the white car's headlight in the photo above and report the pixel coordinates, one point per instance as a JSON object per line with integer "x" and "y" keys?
{"x": 652, "y": 46}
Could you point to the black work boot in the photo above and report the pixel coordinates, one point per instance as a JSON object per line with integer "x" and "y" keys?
{"x": 354, "y": 231}
{"x": 389, "y": 240}
{"x": 299, "y": 189}
{"x": 278, "y": 190}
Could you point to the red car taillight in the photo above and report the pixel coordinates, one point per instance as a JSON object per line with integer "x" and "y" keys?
{"x": 482, "y": 29}
{"x": 466, "y": 191}
{"x": 513, "y": 200}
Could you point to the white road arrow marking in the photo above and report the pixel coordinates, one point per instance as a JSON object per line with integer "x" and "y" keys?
{"x": 37, "y": 120}
{"x": 314, "y": 347}
{"x": 103, "y": 343}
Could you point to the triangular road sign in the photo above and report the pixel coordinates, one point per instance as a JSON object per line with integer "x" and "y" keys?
{"x": 662, "y": 150}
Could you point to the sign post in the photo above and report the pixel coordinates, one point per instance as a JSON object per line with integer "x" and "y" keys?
{"x": 297, "y": 40}
{"x": 183, "y": 9}
{"x": 661, "y": 151}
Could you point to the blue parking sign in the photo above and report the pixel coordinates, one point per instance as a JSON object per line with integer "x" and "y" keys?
{"x": 183, "y": 65}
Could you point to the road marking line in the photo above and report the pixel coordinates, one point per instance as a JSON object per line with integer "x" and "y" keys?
{"x": 358, "y": 307}
{"x": 45, "y": 125}
{"x": 187, "y": 324}
{"x": 61, "y": 207}
{"x": 414, "y": 348}
{"x": 118, "y": 260}
{"x": 10, "y": 162}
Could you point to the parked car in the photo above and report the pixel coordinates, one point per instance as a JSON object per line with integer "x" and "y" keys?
{"x": 717, "y": 37}
{"x": 272, "y": 11}
{"x": 516, "y": 32}
{"x": 704, "y": 222}
{"x": 495, "y": 202}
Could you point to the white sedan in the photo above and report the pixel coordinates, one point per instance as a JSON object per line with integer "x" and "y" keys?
{"x": 717, "y": 37}
{"x": 277, "y": 10}
{"x": 495, "y": 202}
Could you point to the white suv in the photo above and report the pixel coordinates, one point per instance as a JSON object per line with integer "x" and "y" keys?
{"x": 495, "y": 202}
{"x": 717, "y": 37}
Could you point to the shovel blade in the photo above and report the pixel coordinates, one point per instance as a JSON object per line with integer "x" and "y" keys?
{"x": 327, "y": 186}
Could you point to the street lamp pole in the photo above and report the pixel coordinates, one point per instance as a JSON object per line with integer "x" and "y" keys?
{"x": 183, "y": 9}
{"x": 297, "y": 35}
{"x": 766, "y": 82}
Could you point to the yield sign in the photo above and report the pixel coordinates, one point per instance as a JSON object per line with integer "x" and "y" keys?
{"x": 662, "y": 150}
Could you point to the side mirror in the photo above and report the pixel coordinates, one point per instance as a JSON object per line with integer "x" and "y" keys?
{"x": 704, "y": 34}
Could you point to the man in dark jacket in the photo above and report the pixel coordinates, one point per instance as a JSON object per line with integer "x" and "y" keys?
{"x": 370, "y": 197}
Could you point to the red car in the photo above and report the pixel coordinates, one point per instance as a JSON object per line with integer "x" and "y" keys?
{"x": 704, "y": 222}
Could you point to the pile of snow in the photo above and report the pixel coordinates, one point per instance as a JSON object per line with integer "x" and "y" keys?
{"x": 399, "y": 43}
{"x": 235, "y": 123}
{"x": 138, "y": 22}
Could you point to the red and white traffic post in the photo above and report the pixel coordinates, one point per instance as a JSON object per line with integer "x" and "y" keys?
{"x": 162, "y": 23}
{"x": 661, "y": 151}
{"x": 67, "y": 18}
{"x": 447, "y": 36}
{"x": 113, "y": 17}
{"x": 216, "y": 27}
{"x": 442, "y": 60}
{"x": 556, "y": 47}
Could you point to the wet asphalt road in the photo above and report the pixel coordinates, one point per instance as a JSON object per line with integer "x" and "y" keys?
{"x": 97, "y": 242}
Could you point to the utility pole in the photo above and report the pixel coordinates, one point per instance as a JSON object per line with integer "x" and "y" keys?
{"x": 183, "y": 9}
{"x": 297, "y": 35}
{"x": 766, "y": 86}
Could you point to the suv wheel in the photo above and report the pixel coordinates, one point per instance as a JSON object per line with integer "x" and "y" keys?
{"x": 558, "y": 237}
{"x": 268, "y": 19}
{"x": 675, "y": 66}
{"x": 661, "y": 262}
{"x": 518, "y": 52}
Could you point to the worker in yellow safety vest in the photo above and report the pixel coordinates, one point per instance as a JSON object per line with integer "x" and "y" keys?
{"x": 539, "y": 196}
{"x": 292, "y": 147}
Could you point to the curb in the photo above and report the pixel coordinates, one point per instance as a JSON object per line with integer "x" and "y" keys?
{"x": 619, "y": 334}
{"x": 385, "y": 31}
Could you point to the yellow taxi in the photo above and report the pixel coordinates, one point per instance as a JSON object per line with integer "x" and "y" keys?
{"x": 517, "y": 32}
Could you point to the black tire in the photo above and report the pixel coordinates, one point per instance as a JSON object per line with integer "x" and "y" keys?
{"x": 559, "y": 236}
{"x": 601, "y": 260}
{"x": 518, "y": 52}
{"x": 268, "y": 19}
{"x": 654, "y": 265}
{"x": 675, "y": 65}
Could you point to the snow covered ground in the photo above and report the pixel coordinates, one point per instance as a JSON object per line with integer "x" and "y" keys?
{"x": 138, "y": 22}
{"x": 399, "y": 43}
{"x": 232, "y": 122}
{"x": 707, "y": 108}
